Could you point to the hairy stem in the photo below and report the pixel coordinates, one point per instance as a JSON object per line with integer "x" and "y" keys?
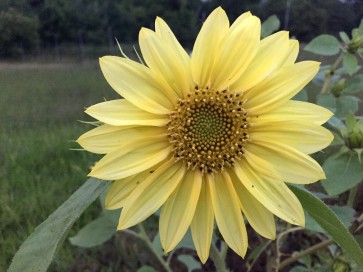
{"x": 278, "y": 253}
{"x": 216, "y": 257}
{"x": 143, "y": 235}
{"x": 308, "y": 251}
{"x": 352, "y": 195}
{"x": 329, "y": 76}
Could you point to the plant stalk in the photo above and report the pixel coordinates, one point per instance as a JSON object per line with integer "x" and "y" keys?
{"x": 146, "y": 239}
{"x": 308, "y": 251}
{"x": 328, "y": 77}
{"x": 217, "y": 259}
{"x": 352, "y": 195}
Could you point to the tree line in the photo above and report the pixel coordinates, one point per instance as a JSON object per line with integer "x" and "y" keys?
{"x": 28, "y": 25}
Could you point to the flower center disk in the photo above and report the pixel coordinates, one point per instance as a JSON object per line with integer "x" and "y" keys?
{"x": 209, "y": 129}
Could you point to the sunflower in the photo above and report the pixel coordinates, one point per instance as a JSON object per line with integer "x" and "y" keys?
{"x": 209, "y": 137}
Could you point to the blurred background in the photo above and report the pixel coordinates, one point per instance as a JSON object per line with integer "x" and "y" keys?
{"x": 49, "y": 73}
{"x": 79, "y": 29}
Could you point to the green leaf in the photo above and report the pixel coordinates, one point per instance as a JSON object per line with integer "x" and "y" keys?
{"x": 350, "y": 63}
{"x": 96, "y": 232}
{"x": 157, "y": 244}
{"x": 360, "y": 28}
{"x": 311, "y": 224}
{"x": 344, "y": 36}
{"x": 359, "y": 239}
{"x": 190, "y": 262}
{"x": 186, "y": 242}
{"x": 327, "y": 101}
{"x": 350, "y": 121}
{"x": 337, "y": 139}
{"x": 270, "y": 25}
{"x": 331, "y": 224}
{"x": 354, "y": 85}
{"x": 343, "y": 172}
{"x": 325, "y": 45}
{"x": 346, "y": 104}
{"x": 336, "y": 123}
{"x": 299, "y": 269}
{"x": 301, "y": 96}
{"x": 37, "y": 252}
{"x": 344, "y": 213}
{"x": 146, "y": 268}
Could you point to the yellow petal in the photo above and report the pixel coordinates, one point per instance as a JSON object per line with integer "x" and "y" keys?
{"x": 138, "y": 84}
{"x": 122, "y": 113}
{"x": 178, "y": 211}
{"x": 274, "y": 195}
{"x": 303, "y": 136}
{"x": 134, "y": 158}
{"x": 270, "y": 56}
{"x": 295, "y": 111}
{"x": 260, "y": 219}
{"x": 206, "y": 47}
{"x": 202, "y": 223}
{"x": 165, "y": 33}
{"x": 291, "y": 165}
{"x": 240, "y": 19}
{"x": 121, "y": 189}
{"x": 163, "y": 54}
{"x": 280, "y": 87}
{"x": 151, "y": 194}
{"x": 293, "y": 52}
{"x": 105, "y": 139}
{"x": 228, "y": 213}
{"x": 237, "y": 50}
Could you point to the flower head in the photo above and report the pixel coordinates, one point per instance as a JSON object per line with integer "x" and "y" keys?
{"x": 209, "y": 137}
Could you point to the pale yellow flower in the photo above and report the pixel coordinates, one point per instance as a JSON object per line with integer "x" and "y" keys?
{"x": 209, "y": 137}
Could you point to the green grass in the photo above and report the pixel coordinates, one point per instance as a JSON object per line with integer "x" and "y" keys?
{"x": 40, "y": 107}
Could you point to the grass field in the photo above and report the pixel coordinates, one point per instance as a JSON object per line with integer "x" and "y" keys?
{"x": 40, "y": 106}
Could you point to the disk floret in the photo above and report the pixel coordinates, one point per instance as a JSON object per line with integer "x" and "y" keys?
{"x": 209, "y": 129}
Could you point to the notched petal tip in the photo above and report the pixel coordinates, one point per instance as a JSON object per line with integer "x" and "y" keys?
{"x": 144, "y": 31}
{"x": 159, "y": 20}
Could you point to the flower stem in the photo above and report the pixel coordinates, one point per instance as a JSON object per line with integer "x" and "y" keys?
{"x": 352, "y": 195}
{"x": 146, "y": 239}
{"x": 328, "y": 77}
{"x": 224, "y": 249}
{"x": 308, "y": 251}
{"x": 217, "y": 258}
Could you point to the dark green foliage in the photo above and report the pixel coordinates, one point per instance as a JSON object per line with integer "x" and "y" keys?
{"x": 99, "y": 22}
{"x": 18, "y": 33}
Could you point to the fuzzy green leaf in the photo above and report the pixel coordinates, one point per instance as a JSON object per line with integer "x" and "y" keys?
{"x": 327, "y": 100}
{"x": 190, "y": 262}
{"x": 186, "y": 242}
{"x": 37, "y": 252}
{"x": 270, "y": 25}
{"x": 146, "y": 268}
{"x": 350, "y": 63}
{"x": 96, "y": 232}
{"x": 354, "y": 85}
{"x": 325, "y": 45}
{"x": 344, "y": 213}
{"x": 346, "y": 104}
{"x": 344, "y": 36}
{"x": 331, "y": 224}
{"x": 343, "y": 171}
